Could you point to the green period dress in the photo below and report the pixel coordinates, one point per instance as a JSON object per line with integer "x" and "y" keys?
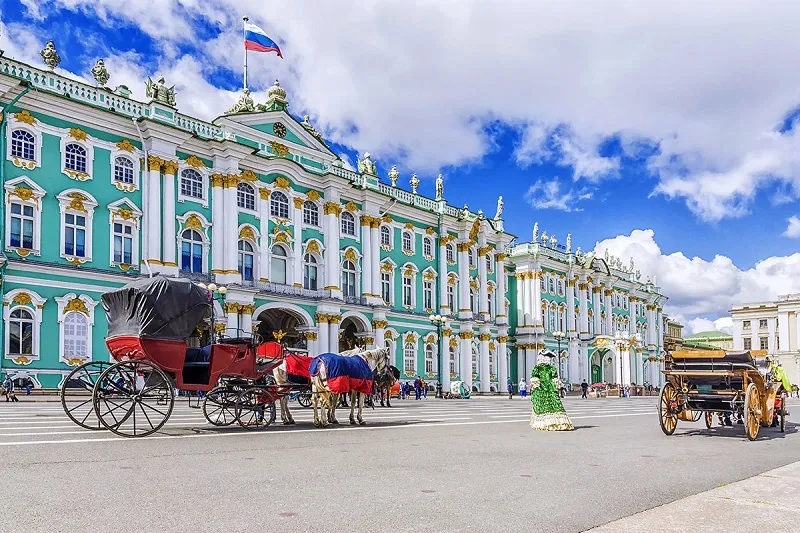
{"x": 548, "y": 412}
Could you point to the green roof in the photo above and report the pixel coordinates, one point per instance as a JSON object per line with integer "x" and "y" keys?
{"x": 709, "y": 335}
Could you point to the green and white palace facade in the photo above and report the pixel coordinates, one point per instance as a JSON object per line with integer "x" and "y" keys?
{"x": 99, "y": 189}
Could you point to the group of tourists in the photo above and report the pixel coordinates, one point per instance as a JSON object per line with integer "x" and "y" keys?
{"x": 419, "y": 388}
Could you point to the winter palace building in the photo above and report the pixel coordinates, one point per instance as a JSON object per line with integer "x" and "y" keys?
{"x": 100, "y": 189}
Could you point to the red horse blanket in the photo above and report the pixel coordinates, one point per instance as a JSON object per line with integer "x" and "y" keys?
{"x": 344, "y": 374}
{"x": 297, "y": 368}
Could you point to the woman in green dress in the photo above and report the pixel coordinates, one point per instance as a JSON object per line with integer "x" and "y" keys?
{"x": 548, "y": 413}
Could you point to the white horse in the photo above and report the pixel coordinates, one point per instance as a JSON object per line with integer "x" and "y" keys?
{"x": 282, "y": 380}
{"x": 376, "y": 359}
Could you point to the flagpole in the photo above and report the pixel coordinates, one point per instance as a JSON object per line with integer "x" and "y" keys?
{"x": 244, "y": 21}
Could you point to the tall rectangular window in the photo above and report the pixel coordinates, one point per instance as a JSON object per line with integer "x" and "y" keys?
{"x": 21, "y": 235}
{"x": 386, "y": 288}
{"x": 123, "y": 243}
{"x": 763, "y": 343}
{"x": 427, "y": 294}
{"x": 407, "y": 300}
{"x": 748, "y": 343}
{"x": 451, "y": 298}
{"x": 74, "y": 235}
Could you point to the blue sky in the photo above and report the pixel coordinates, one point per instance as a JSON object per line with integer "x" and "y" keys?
{"x": 601, "y": 123}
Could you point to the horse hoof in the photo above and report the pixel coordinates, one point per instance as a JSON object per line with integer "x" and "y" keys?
{"x": 362, "y": 423}
{"x": 292, "y": 422}
{"x": 335, "y": 422}
{"x": 352, "y": 422}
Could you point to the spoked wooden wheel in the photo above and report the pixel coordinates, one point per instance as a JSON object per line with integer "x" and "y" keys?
{"x": 667, "y": 407}
{"x": 76, "y": 394}
{"x": 133, "y": 398}
{"x": 752, "y": 411}
{"x": 219, "y": 406}
{"x": 709, "y": 415}
{"x": 304, "y": 399}
{"x": 255, "y": 408}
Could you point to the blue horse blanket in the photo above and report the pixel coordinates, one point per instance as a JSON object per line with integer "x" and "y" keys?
{"x": 344, "y": 374}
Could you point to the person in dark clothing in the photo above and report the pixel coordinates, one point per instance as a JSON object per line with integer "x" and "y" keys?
{"x": 510, "y": 387}
{"x": 584, "y": 389}
{"x": 417, "y": 388}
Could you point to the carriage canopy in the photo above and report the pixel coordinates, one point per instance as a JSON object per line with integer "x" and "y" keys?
{"x": 158, "y": 307}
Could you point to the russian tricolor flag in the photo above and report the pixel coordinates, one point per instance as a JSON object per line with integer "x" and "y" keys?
{"x": 256, "y": 40}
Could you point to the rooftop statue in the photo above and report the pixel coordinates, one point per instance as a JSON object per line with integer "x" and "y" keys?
{"x": 50, "y": 55}
{"x": 535, "y": 232}
{"x": 553, "y": 241}
{"x": 465, "y": 212}
{"x": 638, "y": 275}
{"x": 439, "y": 187}
{"x": 159, "y": 91}
{"x": 500, "y": 207}
{"x": 309, "y": 128}
{"x": 544, "y": 238}
{"x": 578, "y": 252}
{"x": 393, "y": 175}
{"x": 631, "y": 266}
{"x": 366, "y": 166}
{"x": 100, "y": 73}
{"x": 606, "y": 256}
{"x": 414, "y": 183}
{"x": 569, "y": 242}
{"x": 244, "y": 105}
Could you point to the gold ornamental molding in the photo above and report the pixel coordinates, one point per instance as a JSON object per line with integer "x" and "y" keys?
{"x": 280, "y": 150}
{"x": 77, "y": 134}
{"x": 500, "y": 257}
{"x": 22, "y": 298}
{"x": 332, "y": 208}
{"x": 23, "y": 193}
{"x": 321, "y": 318}
{"x": 483, "y": 252}
{"x": 484, "y": 337}
{"x": 282, "y": 183}
{"x": 466, "y": 335}
{"x": 25, "y": 117}
{"x": 502, "y": 339}
{"x": 126, "y": 146}
{"x": 351, "y": 206}
{"x": 195, "y": 162}
{"x": 298, "y": 202}
{"x": 313, "y": 195}
{"x": 193, "y": 222}
{"x": 247, "y": 233}
{"x": 170, "y": 167}
{"x": 380, "y": 324}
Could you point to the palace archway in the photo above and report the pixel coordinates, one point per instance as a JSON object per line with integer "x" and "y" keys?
{"x": 282, "y": 324}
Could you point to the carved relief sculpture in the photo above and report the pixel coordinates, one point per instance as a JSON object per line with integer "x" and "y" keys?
{"x": 100, "y": 73}
{"x": 159, "y": 91}
{"x": 50, "y": 55}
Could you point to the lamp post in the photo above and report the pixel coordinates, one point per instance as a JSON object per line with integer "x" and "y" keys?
{"x": 218, "y": 294}
{"x": 559, "y": 336}
{"x": 439, "y": 321}
{"x": 3, "y": 265}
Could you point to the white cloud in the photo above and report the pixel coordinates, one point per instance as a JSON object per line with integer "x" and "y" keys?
{"x": 706, "y": 86}
{"x": 697, "y": 288}
{"x": 548, "y": 195}
{"x": 793, "y": 229}
{"x": 699, "y": 325}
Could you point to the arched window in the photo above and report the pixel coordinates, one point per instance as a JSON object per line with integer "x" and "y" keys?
{"x": 386, "y": 287}
{"x": 551, "y": 285}
{"x": 473, "y": 304}
{"x": 543, "y": 283}
{"x": 429, "y": 359}
{"x": 348, "y": 278}
{"x": 246, "y": 259}
{"x": 23, "y": 145}
{"x": 279, "y": 205}
{"x": 278, "y": 265}
{"x": 191, "y": 183}
{"x": 123, "y": 170}
{"x": 75, "y": 157}
{"x": 560, "y": 285}
{"x": 552, "y": 318}
{"x": 348, "y": 224}
{"x": 471, "y": 256}
{"x": 452, "y": 361}
{"x": 451, "y": 297}
{"x": 309, "y": 272}
{"x": 310, "y": 213}
{"x": 76, "y": 333}
{"x": 20, "y": 332}
{"x": 474, "y": 361}
{"x": 488, "y": 263}
{"x": 427, "y": 247}
{"x": 490, "y": 301}
{"x": 386, "y": 237}
{"x": 191, "y": 251}
{"x": 245, "y": 196}
{"x": 408, "y": 291}
{"x": 409, "y": 357}
{"x": 408, "y": 245}
{"x": 451, "y": 253}
{"x": 562, "y": 312}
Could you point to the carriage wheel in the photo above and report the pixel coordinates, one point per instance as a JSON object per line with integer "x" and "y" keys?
{"x": 255, "y": 408}
{"x": 782, "y": 414}
{"x": 668, "y": 418}
{"x": 752, "y": 411}
{"x": 83, "y": 379}
{"x": 133, "y": 398}
{"x": 709, "y": 419}
{"x": 219, "y": 406}
{"x": 304, "y": 399}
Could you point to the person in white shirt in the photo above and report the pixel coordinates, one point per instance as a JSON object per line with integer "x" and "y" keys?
{"x": 523, "y": 388}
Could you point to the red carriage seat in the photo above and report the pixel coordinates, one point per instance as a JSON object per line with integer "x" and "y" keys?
{"x": 268, "y": 356}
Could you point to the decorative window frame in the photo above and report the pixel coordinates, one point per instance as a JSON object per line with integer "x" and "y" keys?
{"x": 390, "y": 246}
{"x": 79, "y": 137}
{"x": 452, "y": 281}
{"x": 450, "y": 246}
{"x": 204, "y": 175}
{"x": 33, "y": 303}
{"x": 320, "y": 215}
{"x": 413, "y": 250}
{"x": 314, "y": 247}
{"x": 24, "y": 191}
{"x": 266, "y": 269}
{"x": 79, "y": 203}
{"x": 126, "y": 149}
{"x": 124, "y": 212}
{"x": 409, "y": 270}
{"x": 489, "y": 262}
{"x": 255, "y": 210}
{"x": 191, "y": 220}
{"x": 275, "y": 218}
{"x": 410, "y": 337}
{"x": 72, "y": 303}
{"x": 389, "y": 267}
{"x": 248, "y": 232}
{"x": 37, "y": 149}
{"x": 356, "y": 236}
{"x": 351, "y": 254}
{"x": 432, "y": 345}
{"x": 430, "y": 241}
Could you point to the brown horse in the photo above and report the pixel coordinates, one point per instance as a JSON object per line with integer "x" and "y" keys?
{"x": 384, "y": 382}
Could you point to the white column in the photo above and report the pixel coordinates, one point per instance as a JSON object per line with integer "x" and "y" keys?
{"x": 520, "y": 362}
{"x": 367, "y": 289}
{"x": 169, "y": 234}
{"x": 536, "y": 308}
{"x": 463, "y": 285}
{"x": 609, "y": 311}
{"x": 246, "y": 324}
{"x": 465, "y": 354}
{"x": 324, "y": 330}
{"x": 297, "y": 243}
{"x": 530, "y": 360}
{"x": 596, "y": 304}
{"x": 152, "y": 214}
{"x": 502, "y": 363}
{"x": 574, "y": 362}
{"x": 485, "y": 370}
{"x": 631, "y": 318}
{"x": 483, "y": 296}
{"x": 527, "y": 299}
{"x": 443, "y": 307}
{"x": 639, "y": 374}
{"x": 584, "y": 308}
{"x": 312, "y": 342}
{"x": 334, "y": 333}
{"x": 571, "y": 327}
{"x": 332, "y": 211}
{"x": 783, "y": 332}
{"x": 617, "y": 355}
{"x": 500, "y": 296}
{"x": 230, "y": 236}
{"x": 375, "y": 248}
{"x": 521, "y": 309}
{"x": 660, "y": 331}
{"x": 379, "y": 329}
{"x": 263, "y": 227}
{"x": 625, "y": 354}
{"x": 218, "y": 225}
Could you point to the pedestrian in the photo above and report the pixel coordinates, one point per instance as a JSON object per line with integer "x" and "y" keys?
{"x": 523, "y": 388}
{"x": 28, "y": 384}
{"x": 418, "y": 388}
{"x": 584, "y": 389}
{"x": 424, "y": 388}
{"x": 8, "y": 385}
{"x": 510, "y": 387}
{"x": 403, "y": 390}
